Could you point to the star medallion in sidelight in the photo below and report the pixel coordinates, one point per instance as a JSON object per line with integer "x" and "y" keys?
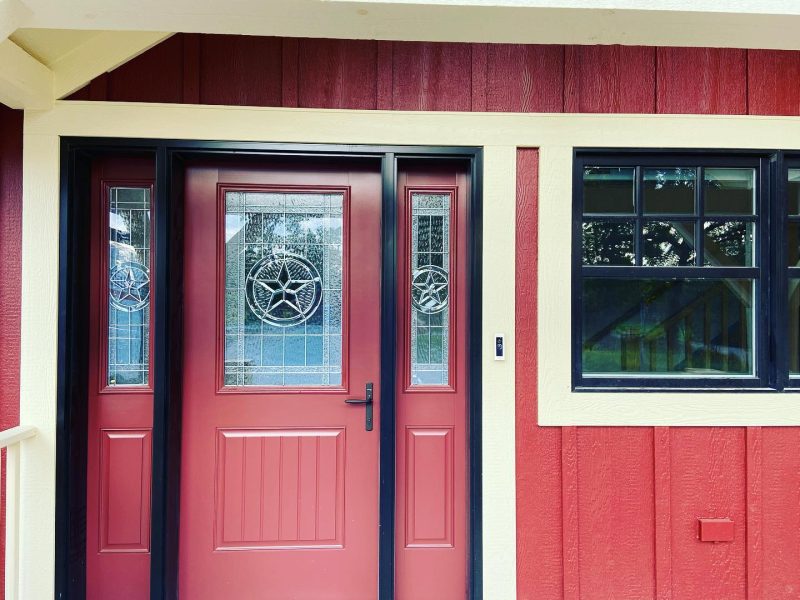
{"x": 284, "y": 289}
{"x": 429, "y": 289}
{"x": 129, "y": 286}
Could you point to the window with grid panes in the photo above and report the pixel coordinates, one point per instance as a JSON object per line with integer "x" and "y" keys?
{"x": 671, "y": 271}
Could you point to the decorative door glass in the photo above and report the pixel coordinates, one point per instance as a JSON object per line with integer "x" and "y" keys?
{"x": 128, "y": 286}
{"x": 430, "y": 289}
{"x": 283, "y": 288}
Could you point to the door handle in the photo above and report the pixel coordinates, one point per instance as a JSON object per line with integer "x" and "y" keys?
{"x": 367, "y": 401}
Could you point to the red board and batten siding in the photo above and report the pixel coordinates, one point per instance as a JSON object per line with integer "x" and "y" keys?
{"x": 602, "y": 512}
{"x": 10, "y": 285}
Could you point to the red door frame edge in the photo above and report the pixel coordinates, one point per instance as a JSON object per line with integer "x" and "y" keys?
{"x": 71, "y": 415}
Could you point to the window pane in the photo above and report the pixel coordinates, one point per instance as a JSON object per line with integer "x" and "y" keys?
{"x": 608, "y": 190}
{"x": 729, "y": 191}
{"x": 794, "y": 326}
{"x": 283, "y": 289}
{"x": 430, "y": 288}
{"x": 793, "y": 192}
{"x": 668, "y": 244}
{"x": 608, "y": 243}
{"x": 128, "y": 286}
{"x": 793, "y": 244}
{"x": 678, "y": 326}
{"x": 728, "y": 244}
{"x": 669, "y": 191}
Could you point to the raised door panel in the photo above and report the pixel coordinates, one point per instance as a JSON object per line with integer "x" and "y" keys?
{"x": 279, "y": 488}
{"x": 125, "y": 460}
{"x": 429, "y": 487}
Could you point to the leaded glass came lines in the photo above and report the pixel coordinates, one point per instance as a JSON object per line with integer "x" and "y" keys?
{"x": 129, "y": 286}
{"x": 281, "y": 248}
{"x": 430, "y": 288}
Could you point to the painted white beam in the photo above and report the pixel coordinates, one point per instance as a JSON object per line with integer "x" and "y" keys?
{"x": 716, "y": 23}
{"x": 742, "y": 6}
{"x": 24, "y": 81}
{"x": 101, "y": 53}
{"x": 13, "y": 15}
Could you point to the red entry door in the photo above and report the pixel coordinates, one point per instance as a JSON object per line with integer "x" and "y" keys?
{"x": 279, "y": 482}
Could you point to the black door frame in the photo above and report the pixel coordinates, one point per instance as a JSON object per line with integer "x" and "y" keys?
{"x": 72, "y": 406}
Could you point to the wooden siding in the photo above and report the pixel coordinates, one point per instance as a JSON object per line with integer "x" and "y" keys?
{"x": 602, "y": 512}
{"x": 10, "y": 284}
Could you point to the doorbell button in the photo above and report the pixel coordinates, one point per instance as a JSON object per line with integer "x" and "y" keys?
{"x": 499, "y": 347}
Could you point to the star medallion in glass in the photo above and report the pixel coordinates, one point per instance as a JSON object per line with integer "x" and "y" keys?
{"x": 430, "y": 289}
{"x": 283, "y": 288}
{"x": 128, "y": 286}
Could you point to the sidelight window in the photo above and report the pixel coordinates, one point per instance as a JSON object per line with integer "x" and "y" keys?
{"x": 430, "y": 288}
{"x": 128, "y": 284}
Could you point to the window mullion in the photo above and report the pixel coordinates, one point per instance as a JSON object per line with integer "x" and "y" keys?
{"x": 700, "y": 209}
{"x": 639, "y": 208}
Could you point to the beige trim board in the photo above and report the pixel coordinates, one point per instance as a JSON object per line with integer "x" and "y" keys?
{"x": 700, "y": 23}
{"x": 499, "y": 134}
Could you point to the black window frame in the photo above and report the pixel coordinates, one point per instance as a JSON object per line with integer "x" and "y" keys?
{"x": 783, "y": 163}
{"x": 770, "y": 273}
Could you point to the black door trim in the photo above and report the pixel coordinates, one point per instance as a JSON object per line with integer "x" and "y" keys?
{"x": 72, "y": 410}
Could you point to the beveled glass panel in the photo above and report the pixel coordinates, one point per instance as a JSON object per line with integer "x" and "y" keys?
{"x": 728, "y": 244}
{"x": 283, "y": 288}
{"x": 608, "y": 243}
{"x": 608, "y": 190}
{"x": 669, "y": 191}
{"x": 668, "y": 244}
{"x": 794, "y": 326}
{"x": 729, "y": 191}
{"x": 128, "y": 286}
{"x": 701, "y": 327}
{"x": 430, "y": 289}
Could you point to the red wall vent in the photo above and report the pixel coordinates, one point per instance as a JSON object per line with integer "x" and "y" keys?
{"x": 715, "y": 529}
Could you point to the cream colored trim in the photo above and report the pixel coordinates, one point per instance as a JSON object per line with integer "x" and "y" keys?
{"x": 499, "y": 134}
{"x": 101, "y": 53}
{"x": 39, "y": 330}
{"x": 13, "y": 15}
{"x": 24, "y": 81}
{"x": 499, "y": 499}
{"x": 27, "y": 83}
{"x": 706, "y": 23}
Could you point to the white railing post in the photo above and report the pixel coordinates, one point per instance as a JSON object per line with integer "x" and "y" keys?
{"x": 12, "y": 522}
{"x": 11, "y": 440}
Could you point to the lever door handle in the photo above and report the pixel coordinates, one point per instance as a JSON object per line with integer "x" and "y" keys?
{"x": 367, "y": 401}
